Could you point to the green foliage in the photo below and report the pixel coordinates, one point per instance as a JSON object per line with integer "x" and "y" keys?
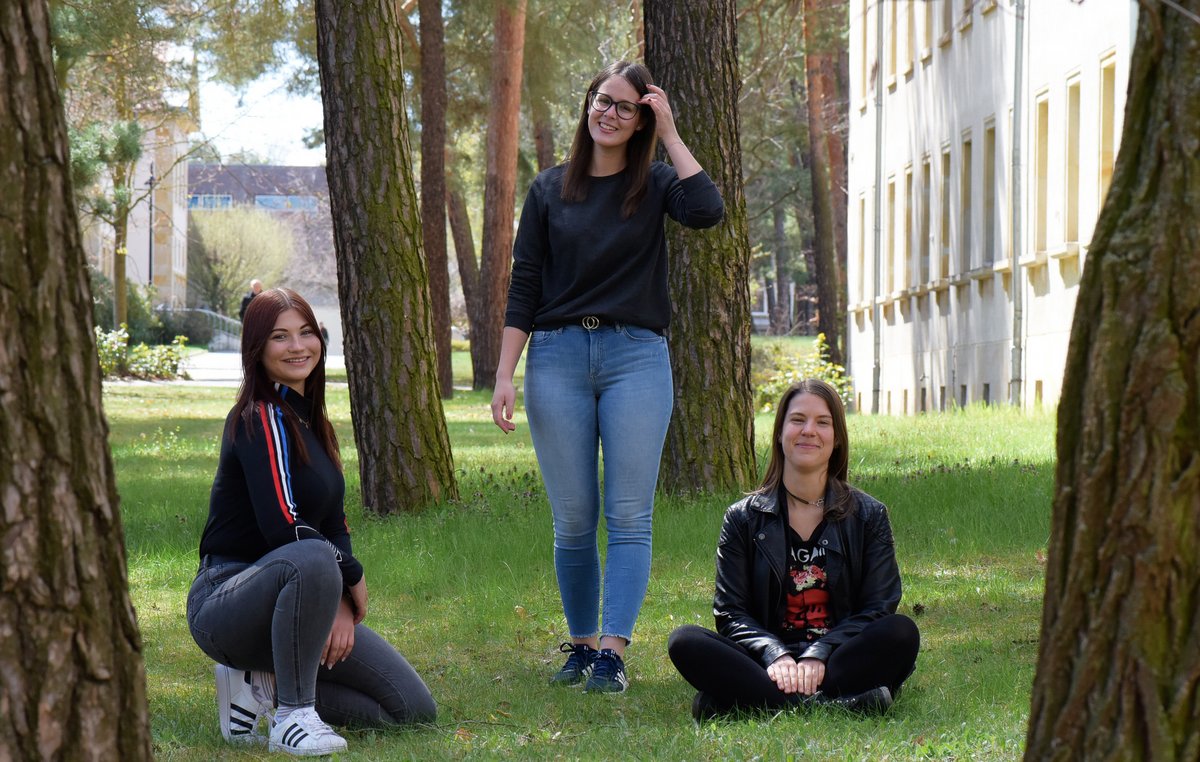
{"x": 228, "y": 247}
{"x": 143, "y": 323}
{"x": 478, "y": 615}
{"x": 118, "y": 359}
{"x": 779, "y": 369}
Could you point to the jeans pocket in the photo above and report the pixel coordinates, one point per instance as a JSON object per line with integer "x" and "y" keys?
{"x": 541, "y": 338}
{"x": 640, "y": 334}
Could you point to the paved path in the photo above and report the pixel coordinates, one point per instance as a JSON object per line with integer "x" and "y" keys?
{"x": 225, "y": 368}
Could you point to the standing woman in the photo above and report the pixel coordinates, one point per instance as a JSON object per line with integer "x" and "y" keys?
{"x": 279, "y": 599}
{"x": 589, "y": 293}
{"x": 807, "y": 582}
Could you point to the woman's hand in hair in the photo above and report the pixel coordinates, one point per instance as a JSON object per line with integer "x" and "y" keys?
{"x": 658, "y": 102}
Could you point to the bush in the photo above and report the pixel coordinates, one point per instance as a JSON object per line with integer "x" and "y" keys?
{"x": 118, "y": 359}
{"x": 782, "y": 370}
{"x": 193, "y": 325}
{"x": 142, "y": 324}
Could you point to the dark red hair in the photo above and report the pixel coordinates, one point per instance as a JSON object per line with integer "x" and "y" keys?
{"x": 258, "y": 388}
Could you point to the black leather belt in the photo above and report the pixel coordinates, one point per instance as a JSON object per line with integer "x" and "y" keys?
{"x": 212, "y": 559}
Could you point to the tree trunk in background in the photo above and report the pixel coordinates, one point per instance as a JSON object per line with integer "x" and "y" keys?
{"x": 74, "y": 684}
{"x": 543, "y": 134}
{"x": 433, "y": 182}
{"x": 403, "y": 449}
{"x": 1119, "y": 663}
{"x": 781, "y": 316}
{"x": 692, "y": 51}
{"x": 499, "y": 194}
{"x": 819, "y": 64}
{"x": 464, "y": 250}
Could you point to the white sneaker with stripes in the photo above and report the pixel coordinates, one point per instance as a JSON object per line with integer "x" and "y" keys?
{"x": 243, "y": 698}
{"x": 305, "y": 734}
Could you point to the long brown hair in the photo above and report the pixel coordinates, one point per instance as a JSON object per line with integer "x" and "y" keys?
{"x": 838, "y": 477}
{"x": 258, "y": 388}
{"x": 638, "y": 151}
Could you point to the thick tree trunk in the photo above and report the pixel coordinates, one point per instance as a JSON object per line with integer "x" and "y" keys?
{"x": 692, "y": 51}
{"x": 433, "y": 182}
{"x": 499, "y": 192}
{"x": 403, "y": 448}
{"x": 464, "y": 251}
{"x": 819, "y": 64}
{"x": 73, "y": 684}
{"x": 1118, "y": 672}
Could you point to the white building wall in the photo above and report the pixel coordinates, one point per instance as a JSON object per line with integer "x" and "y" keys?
{"x": 944, "y": 301}
{"x": 165, "y": 149}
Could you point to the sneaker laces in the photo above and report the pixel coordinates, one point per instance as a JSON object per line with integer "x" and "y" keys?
{"x": 308, "y": 718}
{"x": 579, "y": 657}
{"x": 607, "y": 665}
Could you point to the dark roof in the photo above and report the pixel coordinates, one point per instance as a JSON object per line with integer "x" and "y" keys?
{"x": 245, "y": 181}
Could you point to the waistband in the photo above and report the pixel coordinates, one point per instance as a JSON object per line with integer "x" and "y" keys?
{"x": 587, "y": 322}
{"x": 213, "y": 559}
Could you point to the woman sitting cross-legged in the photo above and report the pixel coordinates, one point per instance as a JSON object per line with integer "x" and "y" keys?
{"x": 807, "y": 582}
{"x": 279, "y": 599}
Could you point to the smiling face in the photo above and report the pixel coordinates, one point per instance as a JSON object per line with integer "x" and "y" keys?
{"x": 808, "y": 438}
{"x": 608, "y": 130}
{"x": 292, "y": 350}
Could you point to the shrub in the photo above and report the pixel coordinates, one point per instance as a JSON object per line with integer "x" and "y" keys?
{"x": 788, "y": 369}
{"x": 118, "y": 359}
{"x": 193, "y": 325}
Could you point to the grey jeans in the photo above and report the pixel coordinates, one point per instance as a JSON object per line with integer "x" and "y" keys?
{"x": 275, "y": 614}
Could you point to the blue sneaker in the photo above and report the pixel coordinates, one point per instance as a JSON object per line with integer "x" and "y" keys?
{"x": 608, "y": 673}
{"x": 580, "y": 659}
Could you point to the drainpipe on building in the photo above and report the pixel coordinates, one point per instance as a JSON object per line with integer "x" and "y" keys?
{"x": 876, "y": 313}
{"x": 1018, "y": 285}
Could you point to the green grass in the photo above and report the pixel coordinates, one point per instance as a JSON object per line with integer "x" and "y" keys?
{"x": 467, "y": 592}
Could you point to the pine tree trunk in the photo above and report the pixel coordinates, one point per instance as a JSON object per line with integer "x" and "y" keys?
{"x": 1118, "y": 672}
{"x": 499, "y": 193}
{"x": 464, "y": 252}
{"x": 74, "y": 683}
{"x": 691, "y": 48}
{"x": 433, "y": 182}
{"x": 403, "y": 448}
{"x": 781, "y": 315}
{"x": 819, "y": 70}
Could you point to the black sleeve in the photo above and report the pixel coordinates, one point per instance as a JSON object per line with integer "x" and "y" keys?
{"x": 266, "y": 462}
{"x": 529, "y": 255}
{"x": 732, "y": 602}
{"x": 694, "y": 202}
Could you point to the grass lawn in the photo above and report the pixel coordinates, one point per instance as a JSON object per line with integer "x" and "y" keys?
{"x": 467, "y": 592}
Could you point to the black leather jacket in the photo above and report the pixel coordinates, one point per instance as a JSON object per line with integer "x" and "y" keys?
{"x": 863, "y": 579}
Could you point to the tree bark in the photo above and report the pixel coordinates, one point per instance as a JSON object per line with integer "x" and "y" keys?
{"x": 819, "y": 65}
{"x": 692, "y": 51}
{"x": 403, "y": 448}
{"x": 1118, "y": 673}
{"x": 499, "y": 194}
{"x": 464, "y": 251}
{"x": 433, "y": 182}
{"x": 781, "y": 315}
{"x": 73, "y": 683}
{"x": 543, "y": 135}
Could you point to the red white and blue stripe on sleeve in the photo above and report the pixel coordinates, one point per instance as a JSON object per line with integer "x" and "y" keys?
{"x": 277, "y": 451}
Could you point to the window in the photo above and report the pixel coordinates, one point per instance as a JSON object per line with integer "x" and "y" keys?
{"x": 862, "y": 59}
{"x": 989, "y": 193}
{"x": 910, "y": 35}
{"x": 1108, "y": 124}
{"x": 928, "y": 39}
{"x": 906, "y": 242}
{"x": 210, "y": 201}
{"x": 862, "y": 248}
{"x": 1071, "y": 234}
{"x": 1041, "y": 165}
{"x": 890, "y": 268}
{"x": 286, "y": 203}
{"x": 947, "y": 21}
{"x": 893, "y": 40}
{"x": 926, "y": 183}
{"x": 964, "y": 217}
{"x": 944, "y": 261}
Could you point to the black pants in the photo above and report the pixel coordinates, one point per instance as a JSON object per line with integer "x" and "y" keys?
{"x": 884, "y": 653}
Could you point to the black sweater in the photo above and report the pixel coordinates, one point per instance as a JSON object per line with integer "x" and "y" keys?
{"x": 571, "y": 260}
{"x": 264, "y": 496}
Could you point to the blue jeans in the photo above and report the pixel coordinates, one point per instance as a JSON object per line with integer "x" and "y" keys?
{"x": 584, "y": 389}
{"x": 275, "y": 615}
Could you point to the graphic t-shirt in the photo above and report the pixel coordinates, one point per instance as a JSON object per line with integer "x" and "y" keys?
{"x": 807, "y": 616}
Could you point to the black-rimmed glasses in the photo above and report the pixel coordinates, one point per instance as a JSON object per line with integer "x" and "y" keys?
{"x": 600, "y": 102}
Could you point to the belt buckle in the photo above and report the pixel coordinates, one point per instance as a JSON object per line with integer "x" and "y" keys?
{"x": 591, "y": 322}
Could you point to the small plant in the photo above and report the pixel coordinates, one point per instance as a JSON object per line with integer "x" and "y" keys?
{"x": 118, "y": 359}
{"x": 788, "y": 369}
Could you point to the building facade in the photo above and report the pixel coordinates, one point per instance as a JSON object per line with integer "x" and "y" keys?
{"x": 972, "y": 198}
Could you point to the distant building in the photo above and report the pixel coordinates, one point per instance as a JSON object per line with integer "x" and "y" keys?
{"x": 298, "y": 196}
{"x": 941, "y": 300}
{"x": 159, "y": 183}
